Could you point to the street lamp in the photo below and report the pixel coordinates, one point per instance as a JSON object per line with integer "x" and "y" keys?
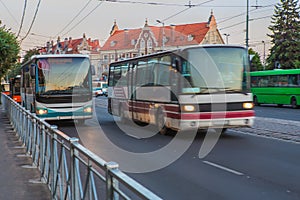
{"x": 163, "y": 37}
{"x": 227, "y": 35}
{"x": 264, "y": 56}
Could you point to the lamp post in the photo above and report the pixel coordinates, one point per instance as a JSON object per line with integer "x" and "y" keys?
{"x": 226, "y": 35}
{"x": 247, "y": 25}
{"x": 163, "y": 35}
{"x": 264, "y": 55}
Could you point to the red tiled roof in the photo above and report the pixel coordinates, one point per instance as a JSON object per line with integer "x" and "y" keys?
{"x": 176, "y": 36}
{"x": 74, "y": 43}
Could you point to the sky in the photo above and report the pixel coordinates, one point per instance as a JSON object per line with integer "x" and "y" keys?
{"x": 72, "y": 18}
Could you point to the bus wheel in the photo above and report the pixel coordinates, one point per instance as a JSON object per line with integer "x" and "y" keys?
{"x": 294, "y": 102}
{"x": 161, "y": 122}
{"x": 255, "y": 101}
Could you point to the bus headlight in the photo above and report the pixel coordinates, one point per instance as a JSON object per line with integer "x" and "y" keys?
{"x": 188, "y": 108}
{"x": 41, "y": 111}
{"x": 247, "y": 105}
{"x": 88, "y": 110}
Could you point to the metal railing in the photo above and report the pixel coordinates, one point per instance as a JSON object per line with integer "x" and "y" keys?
{"x": 69, "y": 169}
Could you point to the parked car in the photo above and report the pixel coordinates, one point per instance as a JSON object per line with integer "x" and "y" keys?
{"x": 100, "y": 85}
{"x": 97, "y": 92}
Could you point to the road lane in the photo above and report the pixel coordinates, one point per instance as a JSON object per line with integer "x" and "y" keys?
{"x": 268, "y": 168}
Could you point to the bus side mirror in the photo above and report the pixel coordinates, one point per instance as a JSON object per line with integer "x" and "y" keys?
{"x": 176, "y": 64}
{"x": 32, "y": 70}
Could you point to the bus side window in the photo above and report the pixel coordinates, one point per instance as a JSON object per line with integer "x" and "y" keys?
{"x": 163, "y": 75}
{"x": 272, "y": 81}
{"x": 283, "y": 80}
{"x": 254, "y": 81}
{"x": 292, "y": 80}
{"x": 263, "y": 81}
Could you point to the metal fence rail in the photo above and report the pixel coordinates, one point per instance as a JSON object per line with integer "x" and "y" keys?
{"x": 69, "y": 169}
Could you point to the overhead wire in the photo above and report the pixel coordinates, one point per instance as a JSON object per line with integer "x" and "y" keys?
{"x": 33, "y": 20}
{"x": 82, "y": 9}
{"x": 9, "y": 12}
{"x": 100, "y": 3}
{"x": 190, "y": 6}
{"x": 22, "y": 19}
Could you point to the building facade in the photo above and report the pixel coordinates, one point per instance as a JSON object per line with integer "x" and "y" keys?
{"x": 129, "y": 43}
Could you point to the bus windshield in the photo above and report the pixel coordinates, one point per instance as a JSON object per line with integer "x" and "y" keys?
{"x": 63, "y": 76}
{"x": 208, "y": 70}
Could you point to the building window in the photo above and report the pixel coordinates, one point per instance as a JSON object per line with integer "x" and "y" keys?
{"x": 142, "y": 44}
{"x": 105, "y": 57}
{"x": 149, "y": 43}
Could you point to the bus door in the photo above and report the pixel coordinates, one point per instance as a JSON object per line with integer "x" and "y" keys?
{"x": 132, "y": 87}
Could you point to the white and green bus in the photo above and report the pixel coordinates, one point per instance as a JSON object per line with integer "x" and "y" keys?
{"x": 280, "y": 86}
{"x": 57, "y": 87}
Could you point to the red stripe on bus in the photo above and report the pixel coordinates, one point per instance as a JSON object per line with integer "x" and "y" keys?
{"x": 218, "y": 115}
{"x": 171, "y": 108}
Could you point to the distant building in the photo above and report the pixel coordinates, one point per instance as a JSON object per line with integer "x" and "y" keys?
{"x": 76, "y": 46}
{"x": 129, "y": 43}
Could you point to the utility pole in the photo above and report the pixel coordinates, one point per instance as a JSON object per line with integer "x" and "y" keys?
{"x": 163, "y": 34}
{"x": 264, "y": 56}
{"x": 247, "y": 26}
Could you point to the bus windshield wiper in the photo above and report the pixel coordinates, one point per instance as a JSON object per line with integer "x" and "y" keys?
{"x": 213, "y": 89}
{"x": 235, "y": 91}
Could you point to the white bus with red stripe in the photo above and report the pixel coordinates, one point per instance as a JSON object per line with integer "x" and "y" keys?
{"x": 189, "y": 88}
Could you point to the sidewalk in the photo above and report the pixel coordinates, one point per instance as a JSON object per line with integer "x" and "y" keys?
{"x": 17, "y": 179}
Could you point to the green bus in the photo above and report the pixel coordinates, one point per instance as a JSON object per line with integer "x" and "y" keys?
{"x": 280, "y": 86}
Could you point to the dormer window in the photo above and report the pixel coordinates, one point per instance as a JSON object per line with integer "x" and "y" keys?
{"x": 113, "y": 43}
{"x": 133, "y": 42}
{"x": 165, "y": 39}
{"x": 190, "y": 38}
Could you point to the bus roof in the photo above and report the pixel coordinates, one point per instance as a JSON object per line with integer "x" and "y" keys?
{"x": 56, "y": 56}
{"x": 59, "y": 56}
{"x": 180, "y": 50}
{"x": 275, "y": 72}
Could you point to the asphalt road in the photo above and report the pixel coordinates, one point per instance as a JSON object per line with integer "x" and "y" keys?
{"x": 273, "y": 111}
{"x": 240, "y": 166}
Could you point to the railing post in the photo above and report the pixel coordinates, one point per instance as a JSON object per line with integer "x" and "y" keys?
{"x": 110, "y": 183}
{"x": 53, "y": 161}
{"x": 73, "y": 178}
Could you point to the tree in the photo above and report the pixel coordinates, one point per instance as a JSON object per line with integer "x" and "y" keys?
{"x": 285, "y": 36}
{"x": 9, "y": 50}
{"x": 255, "y": 61}
{"x": 30, "y": 53}
{"x": 16, "y": 68}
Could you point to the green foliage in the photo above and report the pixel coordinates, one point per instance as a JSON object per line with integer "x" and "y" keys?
{"x": 255, "y": 61}
{"x": 30, "y": 53}
{"x": 285, "y": 36}
{"x": 9, "y": 50}
{"x": 14, "y": 71}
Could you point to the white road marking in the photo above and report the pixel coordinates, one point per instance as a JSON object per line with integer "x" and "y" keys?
{"x": 224, "y": 168}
